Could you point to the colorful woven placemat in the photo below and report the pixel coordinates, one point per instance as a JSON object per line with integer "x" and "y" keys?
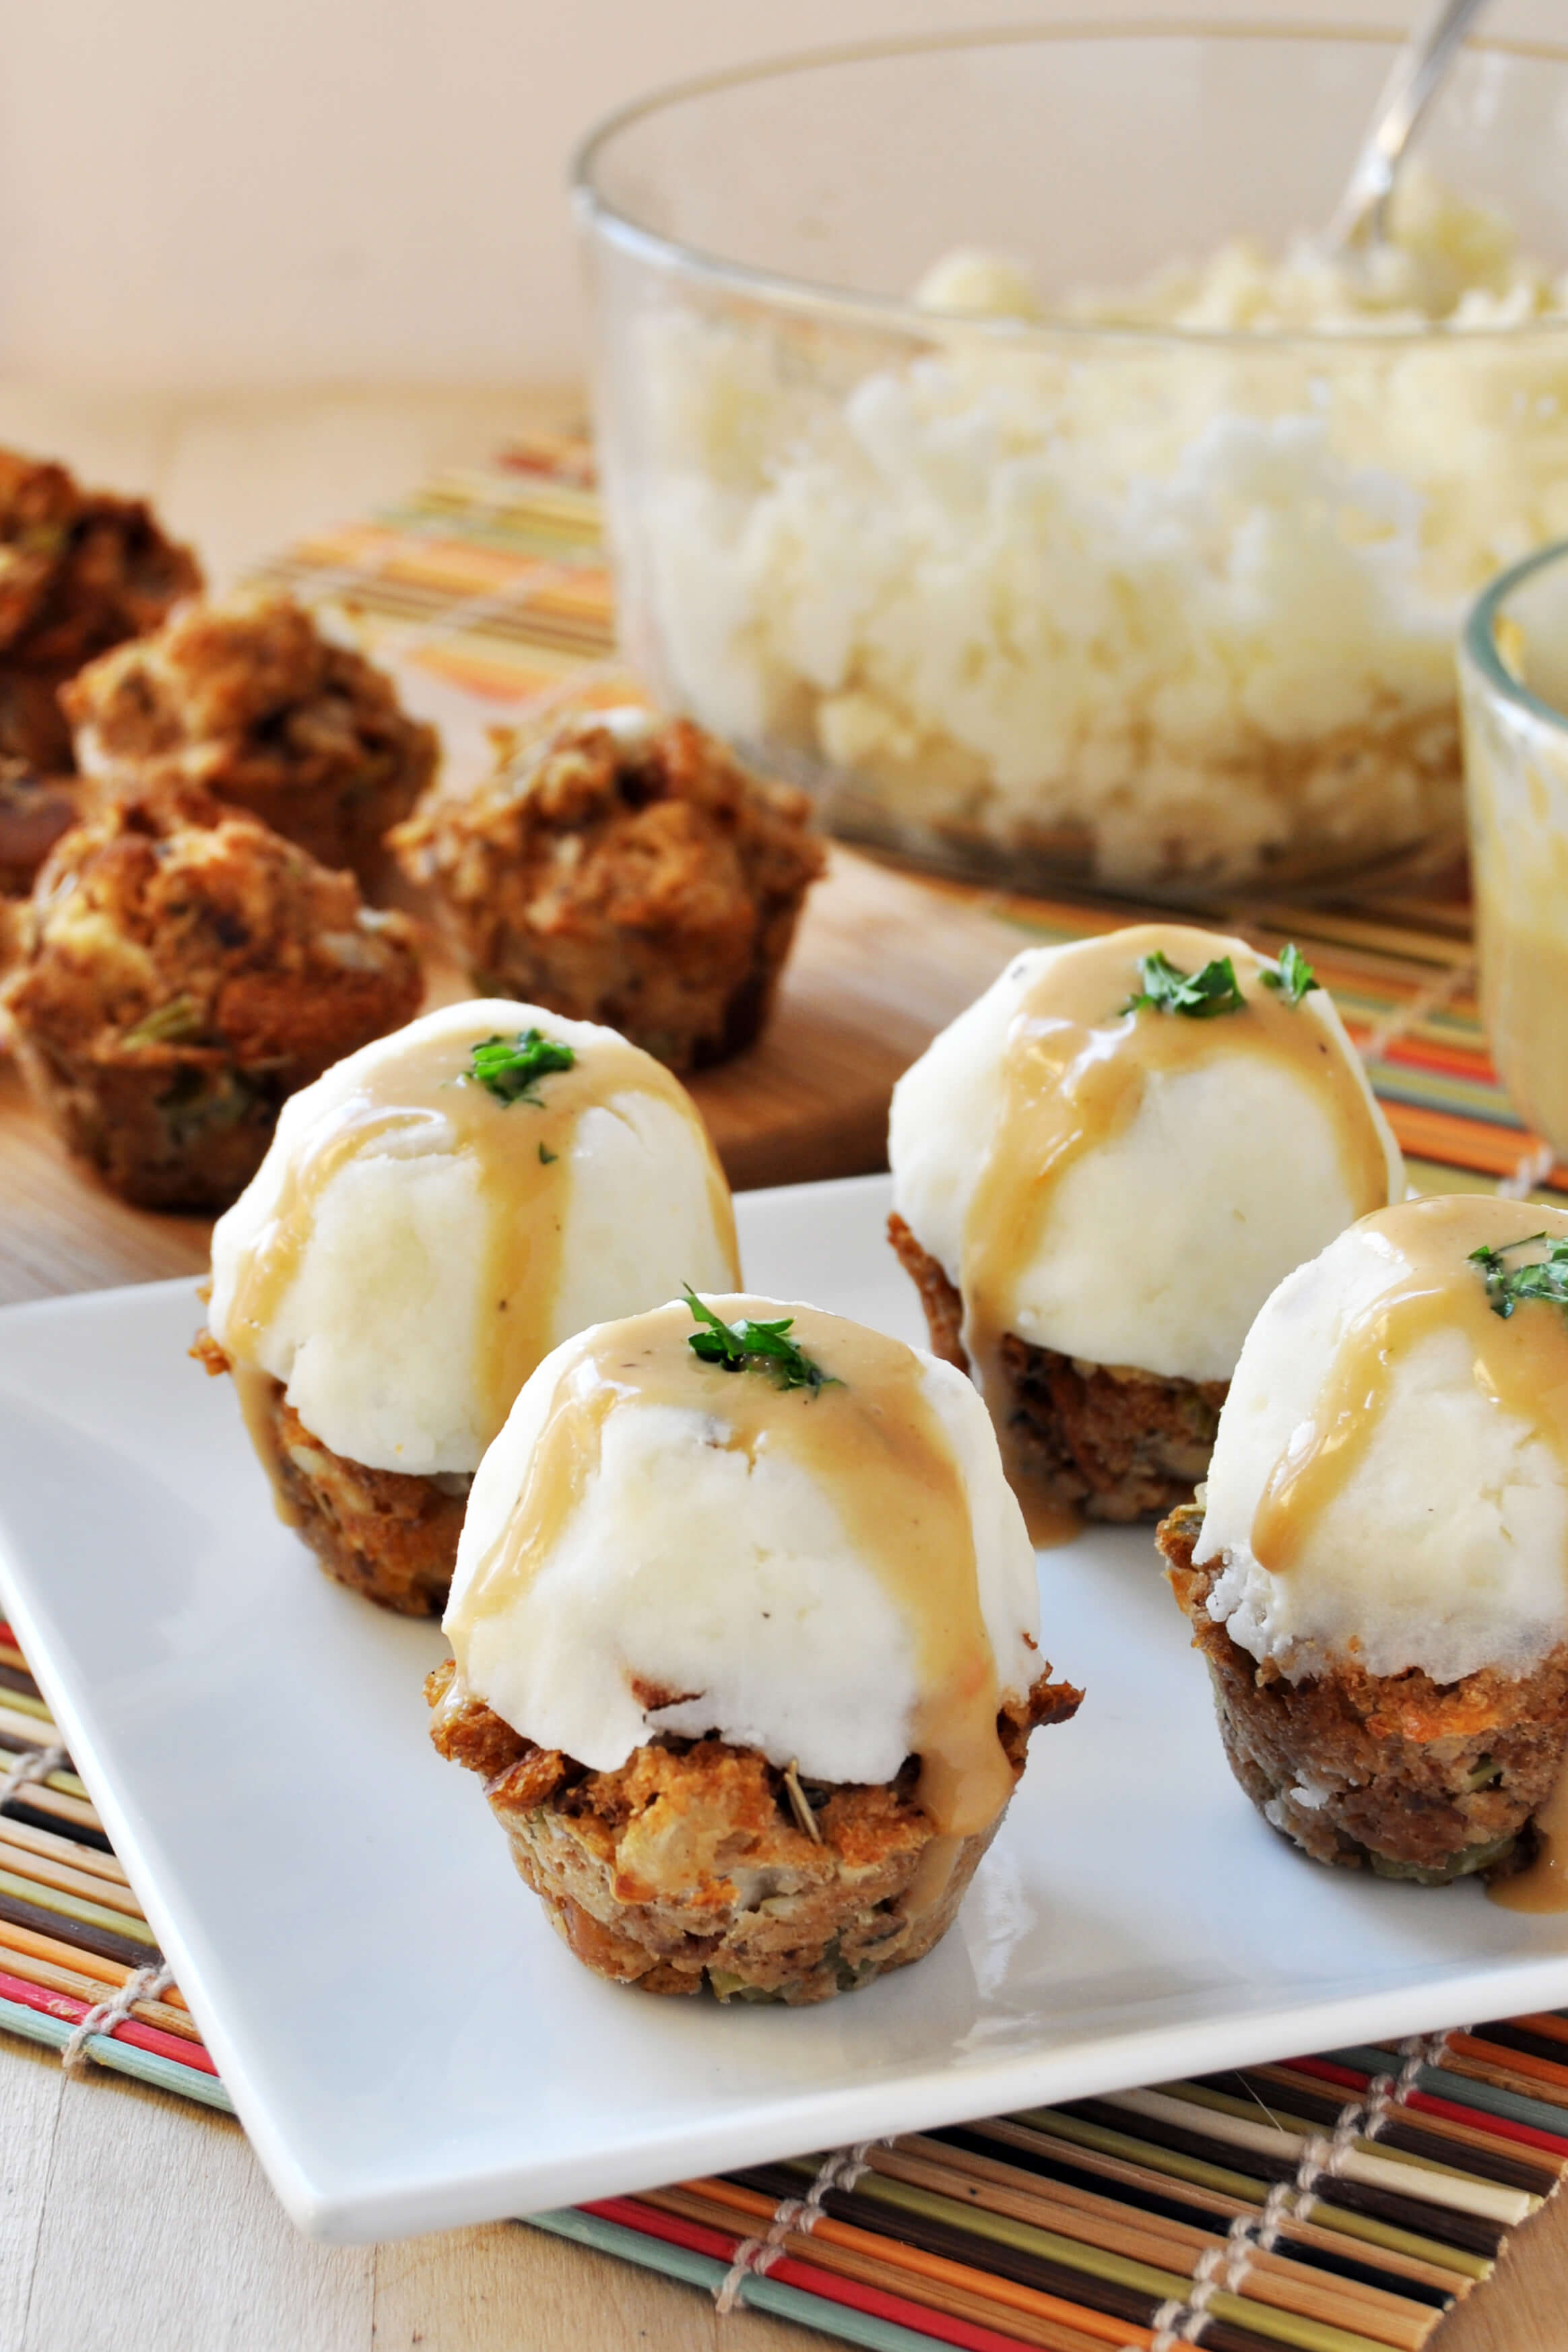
{"x": 1333, "y": 2203}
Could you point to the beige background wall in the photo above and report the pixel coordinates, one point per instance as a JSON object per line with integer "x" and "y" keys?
{"x": 218, "y": 193}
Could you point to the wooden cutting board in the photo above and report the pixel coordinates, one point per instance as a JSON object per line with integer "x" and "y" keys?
{"x": 882, "y": 960}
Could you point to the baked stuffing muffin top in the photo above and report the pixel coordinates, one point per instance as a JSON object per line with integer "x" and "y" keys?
{"x": 627, "y": 870}
{"x": 181, "y": 970}
{"x": 169, "y": 920}
{"x": 250, "y": 699}
{"x": 79, "y": 570}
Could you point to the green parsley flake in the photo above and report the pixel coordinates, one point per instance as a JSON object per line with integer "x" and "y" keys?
{"x": 1201, "y": 995}
{"x": 510, "y": 1068}
{"x": 748, "y": 1347}
{"x": 1295, "y": 978}
{"x": 1508, "y": 1287}
{"x": 175, "y": 1023}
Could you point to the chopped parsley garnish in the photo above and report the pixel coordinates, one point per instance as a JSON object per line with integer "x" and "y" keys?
{"x": 511, "y": 1067}
{"x": 547, "y": 1158}
{"x": 1295, "y": 978}
{"x": 1201, "y": 995}
{"x": 1508, "y": 1285}
{"x": 748, "y": 1347}
{"x": 168, "y": 1024}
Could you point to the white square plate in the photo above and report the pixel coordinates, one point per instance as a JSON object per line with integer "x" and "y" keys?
{"x": 407, "y": 2044}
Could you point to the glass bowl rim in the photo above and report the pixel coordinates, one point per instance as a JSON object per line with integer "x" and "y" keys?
{"x": 1479, "y": 636}
{"x": 774, "y": 287}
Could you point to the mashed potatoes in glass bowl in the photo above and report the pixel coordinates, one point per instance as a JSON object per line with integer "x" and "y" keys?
{"x": 1085, "y": 560}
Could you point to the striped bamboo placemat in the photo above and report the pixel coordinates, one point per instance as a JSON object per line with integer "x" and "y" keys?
{"x": 1333, "y": 2203}
{"x": 75, "y": 1948}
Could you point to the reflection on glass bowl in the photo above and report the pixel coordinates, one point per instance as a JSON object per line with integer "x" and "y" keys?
{"x": 1514, "y": 685}
{"x": 1154, "y": 589}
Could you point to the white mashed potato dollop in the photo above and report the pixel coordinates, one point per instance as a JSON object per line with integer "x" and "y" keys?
{"x": 685, "y": 1565}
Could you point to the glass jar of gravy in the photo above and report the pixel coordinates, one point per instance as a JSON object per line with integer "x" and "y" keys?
{"x": 1513, "y": 692}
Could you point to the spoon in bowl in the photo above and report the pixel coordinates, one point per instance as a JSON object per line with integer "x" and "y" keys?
{"x": 1360, "y": 221}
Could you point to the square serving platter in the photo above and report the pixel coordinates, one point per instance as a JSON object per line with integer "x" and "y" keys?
{"x": 407, "y": 2044}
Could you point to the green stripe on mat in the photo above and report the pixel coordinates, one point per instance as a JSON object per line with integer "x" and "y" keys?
{"x": 69, "y": 1784}
{"x": 1095, "y": 2262}
{"x": 17, "y": 1702}
{"x": 1464, "y": 2091}
{"x": 41, "y": 1896}
{"x": 701, "y": 2270}
{"x": 124, "y": 2057}
{"x": 1153, "y": 2156}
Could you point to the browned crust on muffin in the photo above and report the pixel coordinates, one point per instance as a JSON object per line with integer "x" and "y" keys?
{"x": 939, "y": 1296}
{"x": 246, "y": 699}
{"x": 655, "y": 888}
{"x": 1119, "y": 1442}
{"x": 1417, "y": 1778}
{"x": 182, "y": 972}
{"x": 688, "y": 1865}
{"x": 1111, "y": 1441}
{"x": 79, "y": 571}
{"x": 390, "y": 1535}
{"x": 35, "y": 810}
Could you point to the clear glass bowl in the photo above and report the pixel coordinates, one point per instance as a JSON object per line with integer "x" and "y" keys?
{"x": 1165, "y": 612}
{"x": 1513, "y": 688}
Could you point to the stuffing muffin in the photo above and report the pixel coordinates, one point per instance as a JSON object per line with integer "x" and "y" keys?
{"x": 79, "y": 571}
{"x": 182, "y": 972}
{"x": 627, "y": 870}
{"x": 247, "y": 699}
{"x": 1118, "y": 1442}
{"x": 434, "y": 1215}
{"x": 699, "y": 1864}
{"x": 1100, "y": 1170}
{"x": 745, "y": 1648}
{"x": 1376, "y": 1573}
{"x": 390, "y": 1535}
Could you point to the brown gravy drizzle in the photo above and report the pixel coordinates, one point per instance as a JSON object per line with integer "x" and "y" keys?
{"x": 1522, "y": 1363}
{"x": 524, "y": 1194}
{"x": 877, "y": 1446}
{"x": 1073, "y": 1077}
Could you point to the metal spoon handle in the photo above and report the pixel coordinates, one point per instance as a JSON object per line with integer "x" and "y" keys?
{"x": 1412, "y": 82}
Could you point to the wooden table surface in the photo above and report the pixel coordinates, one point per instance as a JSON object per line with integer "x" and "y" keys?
{"x": 867, "y": 987}
{"x": 135, "y": 2222}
